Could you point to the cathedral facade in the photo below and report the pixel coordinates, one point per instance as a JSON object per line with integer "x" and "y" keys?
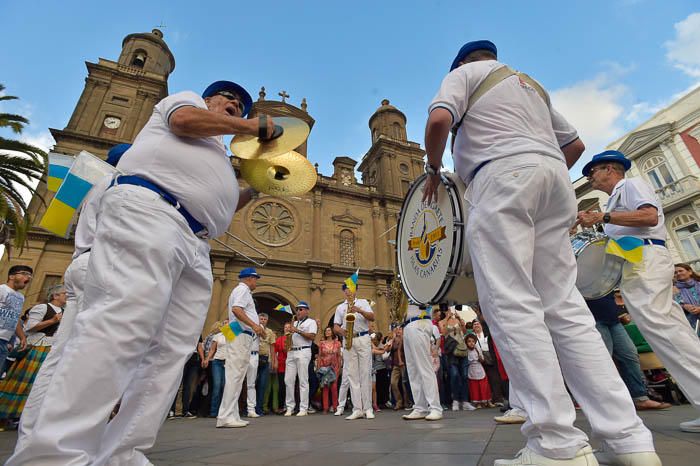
{"x": 309, "y": 244}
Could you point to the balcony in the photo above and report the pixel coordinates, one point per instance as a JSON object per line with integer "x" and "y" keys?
{"x": 695, "y": 264}
{"x": 679, "y": 192}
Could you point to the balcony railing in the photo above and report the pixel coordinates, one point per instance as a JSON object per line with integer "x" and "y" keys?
{"x": 679, "y": 192}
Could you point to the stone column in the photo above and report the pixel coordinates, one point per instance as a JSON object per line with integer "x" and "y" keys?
{"x": 379, "y": 243}
{"x": 82, "y": 103}
{"x": 316, "y": 227}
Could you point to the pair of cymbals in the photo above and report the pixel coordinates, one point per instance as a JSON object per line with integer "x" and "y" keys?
{"x": 289, "y": 174}
{"x": 295, "y": 132}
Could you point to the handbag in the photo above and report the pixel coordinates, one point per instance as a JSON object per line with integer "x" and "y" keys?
{"x": 450, "y": 345}
{"x": 461, "y": 350}
{"x": 488, "y": 358}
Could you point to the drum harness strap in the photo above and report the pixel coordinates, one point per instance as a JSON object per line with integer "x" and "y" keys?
{"x": 493, "y": 78}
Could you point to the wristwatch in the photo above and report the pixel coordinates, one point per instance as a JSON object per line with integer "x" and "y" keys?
{"x": 606, "y": 217}
{"x": 431, "y": 170}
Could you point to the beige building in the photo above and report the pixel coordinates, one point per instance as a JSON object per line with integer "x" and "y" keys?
{"x": 665, "y": 151}
{"x": 313, "y": 242}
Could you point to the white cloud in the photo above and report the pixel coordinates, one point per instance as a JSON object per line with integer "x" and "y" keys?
{"x": 42, "y": 139}
{"x": 595, "y": 109}
{"x": 683, "y": 51}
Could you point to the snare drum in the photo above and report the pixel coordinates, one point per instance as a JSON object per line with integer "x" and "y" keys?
{"x": 434, "y": 263}
{"x": 598, "y": 273}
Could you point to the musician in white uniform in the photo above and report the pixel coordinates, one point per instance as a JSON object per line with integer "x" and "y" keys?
{"x": 148, "y": 283}
{"x": 303, "y": 333}
{"x": 633, "y": 209}
{"x": 417, "y": 335}
{"x": 513, "y": 149}
{"x": 242, "y": 310}
{"x": 357, "y": 361}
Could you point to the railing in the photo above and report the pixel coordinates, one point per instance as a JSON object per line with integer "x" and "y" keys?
{"x": 679, "y": 191}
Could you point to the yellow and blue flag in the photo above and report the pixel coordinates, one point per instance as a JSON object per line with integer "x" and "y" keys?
{"x": 231, "y": 331}
{"x": 287, "y": 309}
{"x": 85, "y": 172}
{"x": 351, "y": 281}
{"x": 628, "y": 247}
{"x": 59, "y": 165}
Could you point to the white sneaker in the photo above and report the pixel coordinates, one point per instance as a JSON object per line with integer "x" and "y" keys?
{"x": 455, "y": 406}
{"x": 467, "y": 406}
{"x": 434, "y": 415}
{"x": 235, "y": 423}
{"x": 512, "y": 416}
{"x": 339, "y": 411}
{"x": 253, "y": 414}
{"x": 369, "y": 414}
{"x": 527, "y": 457}
{"x": 691, "y": 426}
{"x": 355, "y": 415}
{"x": 171, "y": 414}
{"x": 415, "y": 414}
{"x": 288, "y": 413}
{"x": 302, "y": 413}
{"x": 642, "y": 458}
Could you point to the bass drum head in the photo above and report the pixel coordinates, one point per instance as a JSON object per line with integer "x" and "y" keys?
{"x": 598, "y": 273}
{"x": 428, "y": 244}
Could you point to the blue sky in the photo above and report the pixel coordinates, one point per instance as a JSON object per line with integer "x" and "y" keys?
{"x": 609, "y": 65}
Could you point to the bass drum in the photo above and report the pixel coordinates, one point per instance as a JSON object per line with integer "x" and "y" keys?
{"x": 597, "y": 273}
{"x": 434, "y": 263}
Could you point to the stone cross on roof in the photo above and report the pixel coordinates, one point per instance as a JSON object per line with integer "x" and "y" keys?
{"x": 284, "y": 96}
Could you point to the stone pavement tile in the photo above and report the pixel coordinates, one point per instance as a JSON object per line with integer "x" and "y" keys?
{"x": 462, "y": 446}
{"x": 432, "y": 459}
{"x": 253, "y": 457}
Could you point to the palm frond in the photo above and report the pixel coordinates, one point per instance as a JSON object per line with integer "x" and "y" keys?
{"x": 15, "y": 122}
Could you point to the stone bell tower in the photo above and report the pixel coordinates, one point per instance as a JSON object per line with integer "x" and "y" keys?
{"x": 393, "y": 162}
{"x": 118, "y": 97}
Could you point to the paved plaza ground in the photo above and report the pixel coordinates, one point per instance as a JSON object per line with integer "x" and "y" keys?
{"x": 461, "y": 438}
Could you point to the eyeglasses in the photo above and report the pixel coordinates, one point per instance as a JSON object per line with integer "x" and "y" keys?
{"x": 232, "y": 96}
{"x": 25, "y": 273}
{"x": 595, "y": 169}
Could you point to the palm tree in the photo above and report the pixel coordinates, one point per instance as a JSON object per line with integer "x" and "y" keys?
{"x": 21, "y": 166}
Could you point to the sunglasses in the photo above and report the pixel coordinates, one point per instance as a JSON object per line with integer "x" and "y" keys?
{"x": 595, "y": 169}
{"x": 232, "y": 96}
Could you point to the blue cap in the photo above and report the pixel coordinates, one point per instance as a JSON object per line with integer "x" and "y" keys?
{"x": 115, "y": 153}
{"x": 219, "y": 86}
{"x": 303, "y": 304}
{"x": 473, "y": 46}
{"x": 248, "y": 272}
{"x": 607, "y": 156}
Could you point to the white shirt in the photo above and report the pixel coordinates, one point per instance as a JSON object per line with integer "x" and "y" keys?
{"x": 483, "y": 341}
{"x": 11, "y": 302}
{"x": 628, "y": 195}
{"x": 196, "y": 171}
{"x": 414, "y": 311}
{"x": 361, "y": 324}
{"x": 307, "y": 325}
{"x": 87, "y": 221}
{"x": 35, "y": 316}
{"x": 220, "y": 340}
{"x": 510, "y": 119}
{"x": 476, "y": 369}
{"x": 243, "y": 298}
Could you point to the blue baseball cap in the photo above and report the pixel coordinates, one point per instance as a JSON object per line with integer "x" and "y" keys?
{"x": 303, "y": 304}
{"x": 248, "y": 272}
{"x": 607, "y": 156}
{"x": 473, "y": 46}
{"x": 218, "y": 86}
{"x": 115, "y": 153}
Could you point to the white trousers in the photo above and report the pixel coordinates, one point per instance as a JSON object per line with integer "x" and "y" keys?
{"x": 236, "y": 366}
{"x": 297, "y": 365}
{"x": 73, "y": 281}
{"x": 647, "y": 288}
{"x": 419, "y": 363}
{"x": 521, "y": 208}
{"x": 250, "y": 377}
{"x": 147, "y": 290}
{"x": 357, "y": 363}
{"x": 344, "y": 384}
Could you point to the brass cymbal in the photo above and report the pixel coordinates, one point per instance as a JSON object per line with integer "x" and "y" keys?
{"x": 296, "y": 131}
{"x": 289, "y": 174}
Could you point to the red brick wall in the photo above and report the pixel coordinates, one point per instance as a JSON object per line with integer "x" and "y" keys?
{"x": 692, "y": 144}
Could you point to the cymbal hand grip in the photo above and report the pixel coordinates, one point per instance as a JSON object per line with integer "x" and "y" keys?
{"x": 262, "y": 129}
{"x": 279, "y": 131}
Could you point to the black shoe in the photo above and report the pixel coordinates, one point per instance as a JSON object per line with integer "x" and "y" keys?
{"x": 189, "y": 415}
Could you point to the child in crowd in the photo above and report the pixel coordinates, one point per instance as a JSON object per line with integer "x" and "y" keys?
{"x": 479, "y": 389}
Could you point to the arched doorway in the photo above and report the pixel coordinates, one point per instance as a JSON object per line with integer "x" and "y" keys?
{"x": 267, "y": 302}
